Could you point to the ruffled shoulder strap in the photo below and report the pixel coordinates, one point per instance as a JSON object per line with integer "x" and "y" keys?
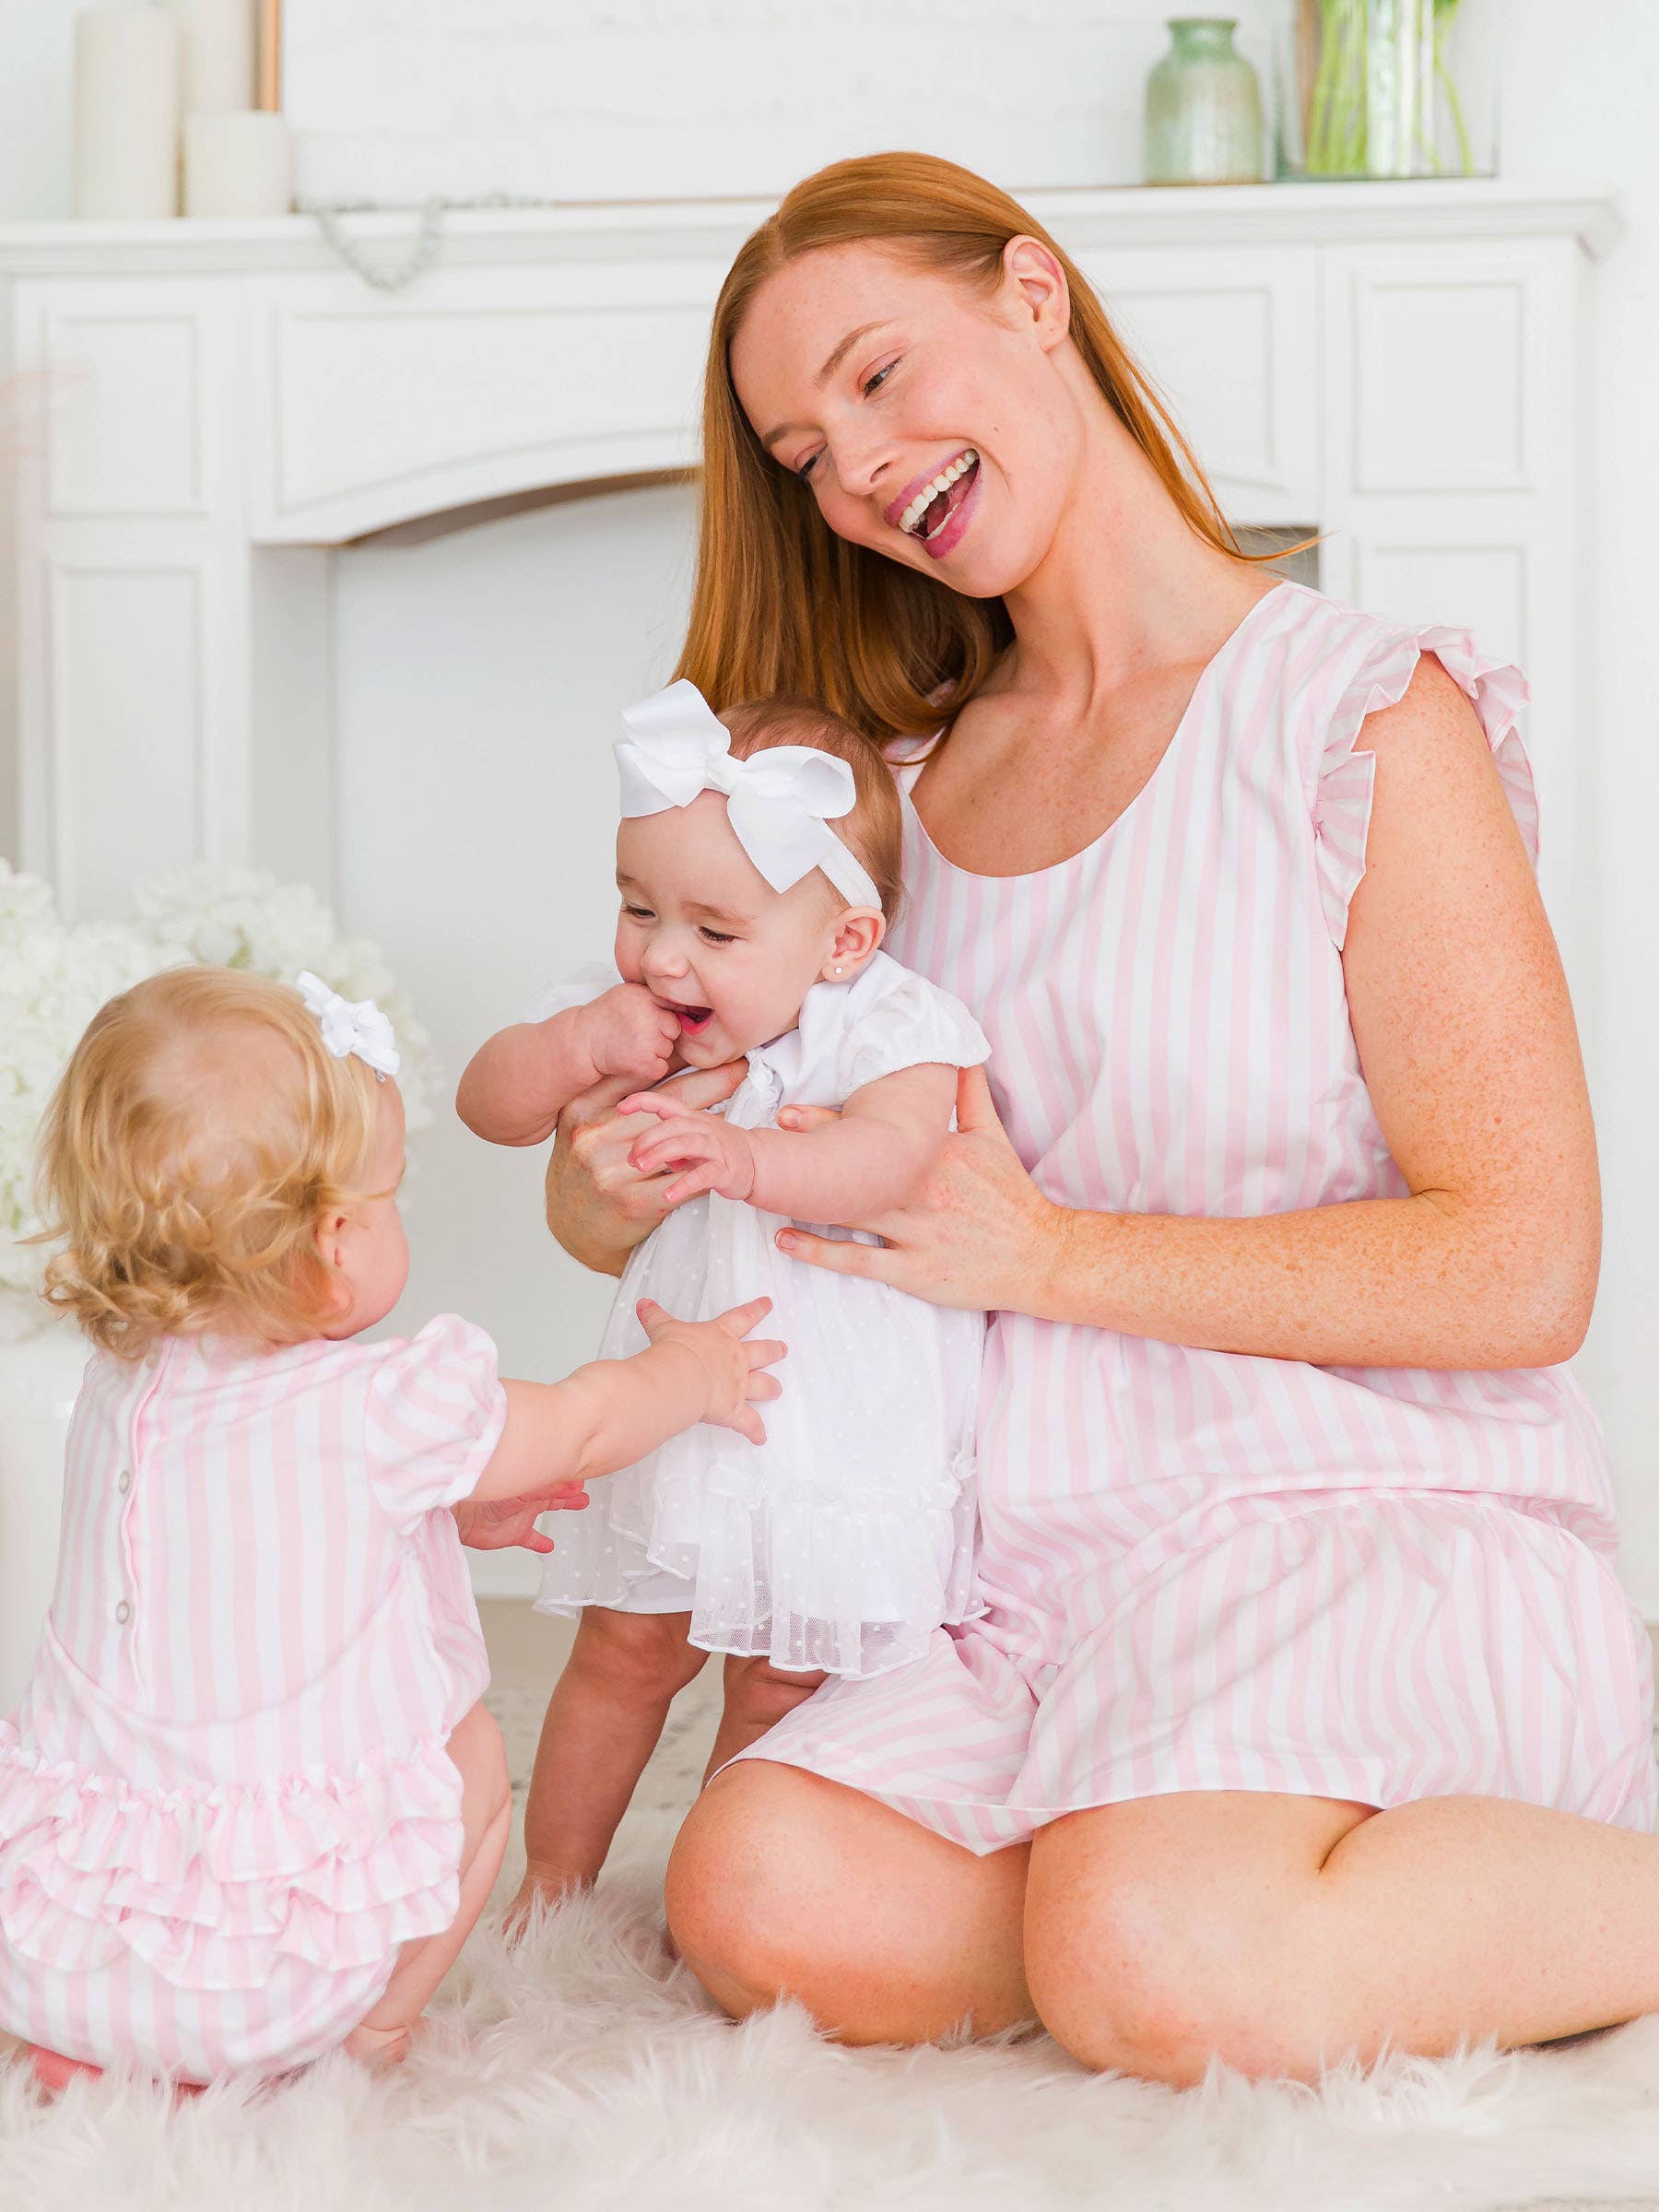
{"x": 907, "y": 757}
{"x": 1346, "y": 771}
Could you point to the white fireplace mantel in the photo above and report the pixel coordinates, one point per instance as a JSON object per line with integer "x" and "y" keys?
{"x": 211, "y": 407}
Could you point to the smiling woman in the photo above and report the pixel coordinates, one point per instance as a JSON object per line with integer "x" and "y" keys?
{"x": 1306, "y": 1716}
{"x": 780, "y": 606}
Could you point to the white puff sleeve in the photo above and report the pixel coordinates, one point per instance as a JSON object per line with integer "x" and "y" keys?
{"x": 910, "y": 1023}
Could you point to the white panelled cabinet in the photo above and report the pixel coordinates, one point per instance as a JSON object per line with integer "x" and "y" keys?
{"x": 207, "y": 410}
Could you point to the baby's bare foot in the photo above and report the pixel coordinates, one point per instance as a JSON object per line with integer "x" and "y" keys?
{"x": 54, "y": 2073}
{"x": 540, "y": 1892}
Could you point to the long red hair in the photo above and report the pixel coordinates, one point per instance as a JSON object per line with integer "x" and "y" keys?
{"x": 782, "y": 604}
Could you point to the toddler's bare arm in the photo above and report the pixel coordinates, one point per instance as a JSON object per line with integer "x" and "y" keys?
{"x": 516, "y": 1086}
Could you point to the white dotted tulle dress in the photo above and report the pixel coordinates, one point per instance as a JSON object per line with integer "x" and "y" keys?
{"x": 847, "y": 1539}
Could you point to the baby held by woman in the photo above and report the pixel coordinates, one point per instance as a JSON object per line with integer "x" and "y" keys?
{"x": 757, "y": 865}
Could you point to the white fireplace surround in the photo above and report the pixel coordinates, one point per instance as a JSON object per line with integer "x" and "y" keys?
{"x": 210, "y": 407}
{"x": 202, "y": 413}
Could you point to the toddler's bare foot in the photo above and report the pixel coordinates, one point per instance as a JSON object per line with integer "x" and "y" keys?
{"x": 540, "y": 1892}
{"x": 54, "y": 2073}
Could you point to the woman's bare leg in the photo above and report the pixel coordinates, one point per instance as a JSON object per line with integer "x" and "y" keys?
{"x": 476, "y": 1747}
{"x": 757, "y": 1695}
{"x": 603, "y": 1719}
{"x": 783, "y": 1884}
{"x": 1283, "y": 1933}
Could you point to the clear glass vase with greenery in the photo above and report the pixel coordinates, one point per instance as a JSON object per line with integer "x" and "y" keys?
{"x": 1387, "y": 88}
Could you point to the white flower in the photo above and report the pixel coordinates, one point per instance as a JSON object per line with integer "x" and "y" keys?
{"x": 52, "y": 981}
{"x": 25, "y": 903}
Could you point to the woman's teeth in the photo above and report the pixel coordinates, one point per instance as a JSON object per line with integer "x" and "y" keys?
{"x": 910, "y": 521}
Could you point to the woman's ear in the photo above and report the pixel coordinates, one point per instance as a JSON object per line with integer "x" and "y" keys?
{"x": 1037, "y": 290}
{"x": 858, "y": 933}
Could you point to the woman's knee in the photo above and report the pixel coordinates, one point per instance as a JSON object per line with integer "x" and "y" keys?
{"x": 1170, "y": 1931}
{"x": 735, "y": 1881}
{"x": 1148, "y": 1983}
{"x": 783, "y": 1884}
{"x": 637, "y": 1655}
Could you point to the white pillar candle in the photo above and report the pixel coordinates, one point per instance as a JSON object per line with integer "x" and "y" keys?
{"x": 126, "y": 113}
{"x": 218, "y": 53}
{"x": 237, "y": 164}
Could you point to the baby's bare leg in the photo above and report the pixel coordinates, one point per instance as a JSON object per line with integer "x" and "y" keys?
{"x": 476, "y": 1747}
{"x": 757, "y": 1695}
{"x": 603, "y": 1719}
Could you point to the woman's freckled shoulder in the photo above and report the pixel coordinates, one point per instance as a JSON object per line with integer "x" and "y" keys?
{"x": 1435, "y": 718}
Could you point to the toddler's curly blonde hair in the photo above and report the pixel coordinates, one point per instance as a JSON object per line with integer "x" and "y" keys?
{"x": 199, "y": 1133}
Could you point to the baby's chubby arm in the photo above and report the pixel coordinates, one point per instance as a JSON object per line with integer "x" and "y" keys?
{"x": 612, "y": 1412}
{"x": 516, "y": 1086}
{"x": 888, "y": 1135}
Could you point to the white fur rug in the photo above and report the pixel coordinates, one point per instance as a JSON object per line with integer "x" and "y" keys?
{"x": 587, "y": 2070}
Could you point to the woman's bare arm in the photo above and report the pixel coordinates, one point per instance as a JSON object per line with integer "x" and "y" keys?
{"x": 599, "y": 1207}
{"x": 1461, "y": 1013}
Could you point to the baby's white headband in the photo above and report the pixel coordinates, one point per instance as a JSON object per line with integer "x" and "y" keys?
{"x": 351, "y": 1025}
{"x": 780, "y": 802}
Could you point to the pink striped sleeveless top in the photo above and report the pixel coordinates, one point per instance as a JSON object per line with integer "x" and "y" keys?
{"x": 1207, "y": 1571}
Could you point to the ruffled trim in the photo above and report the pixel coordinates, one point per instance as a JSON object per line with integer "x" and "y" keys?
{"x": 794, "y": 1580}
{"x": 212, "y": 1885}
{"x": 1347, "y": 775}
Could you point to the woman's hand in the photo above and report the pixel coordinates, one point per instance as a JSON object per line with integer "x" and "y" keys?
{"x": 703, "y": 1150}
{"x": 978, "y": 1232}
{"x": 598, "y": 1206}
{"x": 494, "y": 1525}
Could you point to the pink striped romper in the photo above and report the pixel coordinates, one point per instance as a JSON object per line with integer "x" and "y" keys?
{"x": 225, "y": 1800}
{"x": 1205, "y": 1570}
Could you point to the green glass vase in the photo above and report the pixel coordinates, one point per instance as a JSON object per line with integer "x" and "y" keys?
{"x": 1204, "y": 109}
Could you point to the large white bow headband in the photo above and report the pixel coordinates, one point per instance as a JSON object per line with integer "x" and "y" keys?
{"x": 351, "y": 1025}
{"x": 780, "y": 802}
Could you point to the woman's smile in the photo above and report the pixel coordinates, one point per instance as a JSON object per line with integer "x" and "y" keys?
{"x": 925, "y": 507}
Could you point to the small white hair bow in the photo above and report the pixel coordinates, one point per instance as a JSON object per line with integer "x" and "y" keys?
{"x": 351, "y": 1025}
{"x": 780, "y": 802}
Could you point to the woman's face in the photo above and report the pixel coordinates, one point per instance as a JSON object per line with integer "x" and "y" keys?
{"x": 936, "y": 423}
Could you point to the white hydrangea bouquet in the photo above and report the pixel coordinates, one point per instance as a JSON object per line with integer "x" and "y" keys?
{"x": 54, "y": 979}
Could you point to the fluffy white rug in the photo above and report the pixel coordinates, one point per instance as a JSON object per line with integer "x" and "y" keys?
{"x": 587, "y": 2070}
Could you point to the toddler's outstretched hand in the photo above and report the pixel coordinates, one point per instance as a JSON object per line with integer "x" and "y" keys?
{"x": 733, "y": 1363}
{"x": 495, "y": 1524}
{"x": 629, "y": 1034}
{"x": 715, "y": 1155}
